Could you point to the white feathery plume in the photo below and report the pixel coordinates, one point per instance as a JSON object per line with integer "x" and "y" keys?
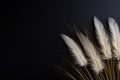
{"x": 96, "y": 62}
{"x": 114, "y": 28}
{"x": 103, "y": 38}
{"x": 75, "y": 49}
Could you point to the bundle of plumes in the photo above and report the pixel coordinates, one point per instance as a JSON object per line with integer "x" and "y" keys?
{"x": 93, "y": 62}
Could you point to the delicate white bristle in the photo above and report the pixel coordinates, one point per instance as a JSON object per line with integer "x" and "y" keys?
{"x": 103, "y": 39}
{"x": 96, "y": 61}
{"x": 115, "y": 34}
{"x": 75, "y": 49}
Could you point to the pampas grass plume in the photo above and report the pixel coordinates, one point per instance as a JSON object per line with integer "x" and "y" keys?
{"x": 103, "y": 39}
{"x": 106, "y": 66}
{"x": 75, "y": 49}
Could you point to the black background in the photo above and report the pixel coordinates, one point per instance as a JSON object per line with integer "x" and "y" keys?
{"x": 30, "y": 42}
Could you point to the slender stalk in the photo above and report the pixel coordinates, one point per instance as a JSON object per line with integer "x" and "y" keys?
{"x": 91, "y": 78}
{"x": 112, "y": 66}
